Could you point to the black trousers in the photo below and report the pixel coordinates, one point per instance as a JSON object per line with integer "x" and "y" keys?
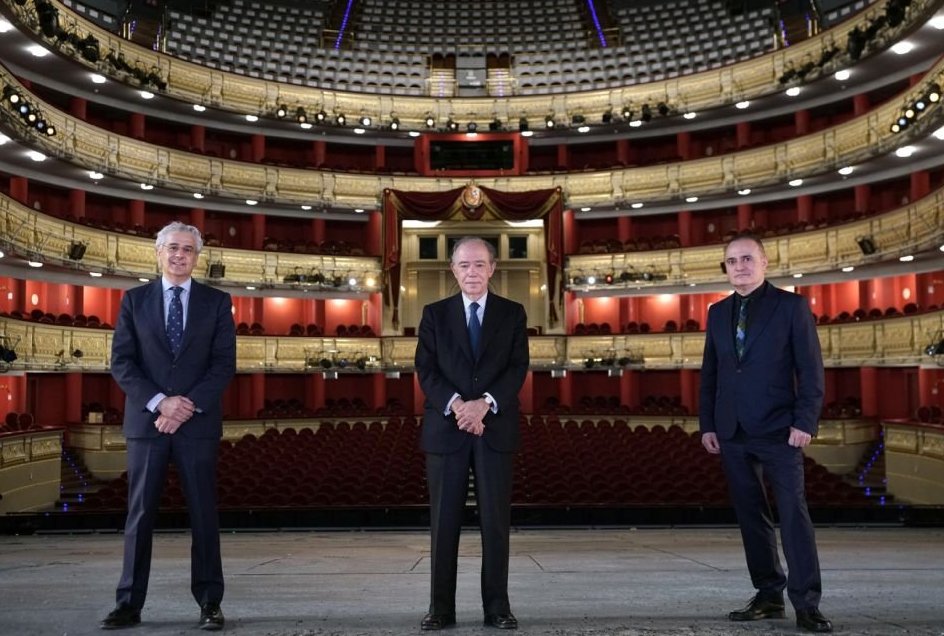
{"x": 747, "y": 460}
{"x": 148, "y": 460}
{"x": 448, "y": 478}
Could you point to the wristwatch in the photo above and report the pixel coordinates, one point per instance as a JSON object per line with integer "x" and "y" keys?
{"x": 488, "y": 400}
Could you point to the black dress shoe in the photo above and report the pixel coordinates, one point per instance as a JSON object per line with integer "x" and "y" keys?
{"x": 211, "y": 617}
{"x": 501, "y": 621}
{"x": 121, "y": 617}
{"x": 759, "y": 607}
{"x": 435, "y": 622}
{"x": 813, "y": 621}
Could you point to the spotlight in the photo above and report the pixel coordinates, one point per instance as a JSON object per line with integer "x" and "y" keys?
{"x": 549, "y": 121}
{"x": 430, "y": 121}
{"x": 216, "y": 270}
{"x": 646, "y": 112}
{"x": 50, "y": 130}
{"x": 910, "y": 112}
{"x": 320, "y": 116}
{"x": 24, "y": 109}
{"x": 452, "y": 125}
{"x": 7, "y": 355}
{"x": 934, "y": 94}
{"x": 920, "y": 104}
{"x": 77, "y": 250}
{"x": 300, "y": 115}
{"x": 281, "y": 111}
{"x": 394, "y": 123}
{"x": 577, "y": 119}
{"x": 11, "y": 95}
{"x": 471, "y": 127}
{"x": 935, "y": 348}
{"x": 607, "y": 117}
{"x": 366, "y": 121}
{"x": 495, "y": 125}
{"x": 866, "y": 244}
{"x": 340, "y": 119}
{"x": 663, "y": 109}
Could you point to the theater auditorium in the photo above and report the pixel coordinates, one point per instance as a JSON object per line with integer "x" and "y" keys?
{"x": 332, "y": 153}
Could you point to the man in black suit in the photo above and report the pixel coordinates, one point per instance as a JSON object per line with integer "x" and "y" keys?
{"x": 173, "y": 354}
{"x": 761, "y": 393}
{"x": 472, "y": 359}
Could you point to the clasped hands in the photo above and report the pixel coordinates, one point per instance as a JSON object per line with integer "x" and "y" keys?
{"x": 174, "y": 411}
{"x": 797, "y": 439}
{"x": 470, "y": 415}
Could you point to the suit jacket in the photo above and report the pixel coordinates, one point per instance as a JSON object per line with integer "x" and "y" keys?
{"x": 446, "y": 366}
{"x": 779, "y": 381}
{"x": 143, "y": 365}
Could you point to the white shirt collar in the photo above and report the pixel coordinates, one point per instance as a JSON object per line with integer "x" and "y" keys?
{"x": 466, "y": 301}
{"x": 166, "y": 285}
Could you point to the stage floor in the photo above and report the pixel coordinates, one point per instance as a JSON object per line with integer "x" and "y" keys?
{"x": 612, "y": 581}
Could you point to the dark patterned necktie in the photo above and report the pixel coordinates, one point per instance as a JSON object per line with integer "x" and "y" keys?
{"x": 475, "y": 327}
{"x": 175, "y": 321}
{"x": 740, "y": 334}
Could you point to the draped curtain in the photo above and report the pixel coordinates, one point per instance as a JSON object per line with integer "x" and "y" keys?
{"x": 440, "y": 206}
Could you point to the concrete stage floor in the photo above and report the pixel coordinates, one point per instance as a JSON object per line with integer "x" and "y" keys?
{"x": 601, "y": 581}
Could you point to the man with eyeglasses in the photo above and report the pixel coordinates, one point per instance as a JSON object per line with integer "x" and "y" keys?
{"x": 762, "y": 385}
{"x": 173, "y": 354}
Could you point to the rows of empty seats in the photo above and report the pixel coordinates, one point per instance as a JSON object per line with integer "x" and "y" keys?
{"x": 659, "y": 42}
{"x": 379, "y": 464}
{"x": 18, "y": 422}
{"x": 62, "y": 319}
{"x": 453, "y": 26}
{"x": 245, "y": 38}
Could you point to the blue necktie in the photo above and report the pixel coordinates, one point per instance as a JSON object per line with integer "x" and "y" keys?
{"x": 475, "y": 327}
{"x": 740, "y": 334}
{"x": 175, "y": 321}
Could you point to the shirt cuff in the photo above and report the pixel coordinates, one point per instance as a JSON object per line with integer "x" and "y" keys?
{"x": 154, "y": 401}
{"x": 494, "y": 407}
{"x": 455, "y": 396}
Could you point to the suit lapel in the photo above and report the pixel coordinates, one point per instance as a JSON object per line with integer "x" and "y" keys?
{"x": 196, "y": 306}
{"x": 761, "y": 317}
{"x": 491, "y": 322}
{"x": 154, "y": 311}
{"x": 458, "y": 325}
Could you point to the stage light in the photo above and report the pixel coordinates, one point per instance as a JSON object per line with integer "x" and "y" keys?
{"x": 627, "y": 113}
{"x": 77, "y": 250}
{"x": 471, "y": 127}
{"x": 394, "y": 123}
{"x": 866, "y": 244}
{"x": 452, "y": 125}
{"x": 430, "y": 121}
{"x": 577, "y": 119}
{"x": 495, "y": 125}
{"x": 549, "y": 121}
{"x": 320, "y": 116}
{"x": 523, "y": 127}
{"x": 934, "y": 93}
{"x": 281, "y": 111}
{"x": 11, "y": 95}
{"x": 366, "y": 120}
{"x": 340, "y": 119}
{"x": 607, "y": 117}
{"x": 646, "y": 112}
{"x": 663, "y": 109}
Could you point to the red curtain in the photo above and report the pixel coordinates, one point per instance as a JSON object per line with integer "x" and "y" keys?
{"x": 439, "y": 206}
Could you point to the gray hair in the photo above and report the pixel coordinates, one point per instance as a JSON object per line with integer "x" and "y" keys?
{"x": 492, "y": 253}
{"x": 177, "y": 226}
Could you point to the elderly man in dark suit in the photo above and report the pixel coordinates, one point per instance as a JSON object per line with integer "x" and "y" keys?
{"x": 761, "y": 394}
{"x": 173, "y": 354}
{"x": 471, "y": 359}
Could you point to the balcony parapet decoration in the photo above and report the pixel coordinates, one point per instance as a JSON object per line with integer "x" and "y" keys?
{"x": 194, "y": 83}
{"x": 898, "y": 341}
{"x": 852, "y": 142}
{"x": 26, "y": 232}
{"x": 913, "y": 228}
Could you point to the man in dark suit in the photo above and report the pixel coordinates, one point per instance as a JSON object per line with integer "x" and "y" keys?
{"x": 472, "y": 359}
{"x": 761, "y": 394}
{"x": 173, "y": 354}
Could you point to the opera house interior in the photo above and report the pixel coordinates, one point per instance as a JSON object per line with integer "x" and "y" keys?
{"x": 332, "y": 153}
